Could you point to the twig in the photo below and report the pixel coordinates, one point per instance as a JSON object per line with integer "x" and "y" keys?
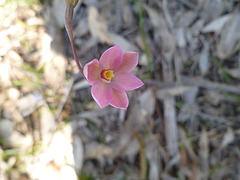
{"x": 210, "y": 85}
{"x": 64, "y": 99}
{"x": 194, "y": 82}
{"x": 212, "y": 117}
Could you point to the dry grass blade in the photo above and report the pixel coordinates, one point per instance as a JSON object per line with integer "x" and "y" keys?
{"x": 64, "y": 99}
{"x": 204, "y": 153}
{"x": 143, "y": 161}
{"x": 153, "y": 157}
{"x": 170, "y": 125}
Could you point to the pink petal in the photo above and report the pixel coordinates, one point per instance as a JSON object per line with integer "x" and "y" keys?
{"x": 124, "y": 81}
{"x": 120, "y": 99}
{"x": 130, "y": 61}
{"x": 111, "y": 58}
{"x": 102, "y": 93}
{"x": 91, "y": 71}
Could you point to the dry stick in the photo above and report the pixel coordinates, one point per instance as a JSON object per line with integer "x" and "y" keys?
{"x": 194, "y": 82}
{"x": 210, "y": 85}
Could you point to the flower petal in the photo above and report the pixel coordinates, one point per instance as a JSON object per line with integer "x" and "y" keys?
{"x": 124, "y": 81}
{"x": 91, "y": 71}
{"x": 111, "y": 58}
{"x": 102, "y": 93}
{"x": 120, "y": 99}
{"x": 130, "y": 61}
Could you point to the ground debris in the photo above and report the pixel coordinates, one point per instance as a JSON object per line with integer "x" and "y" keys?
{"x": 182, "y": 124}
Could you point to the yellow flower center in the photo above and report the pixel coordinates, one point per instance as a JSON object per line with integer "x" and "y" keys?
{"x": 107, "y": 74}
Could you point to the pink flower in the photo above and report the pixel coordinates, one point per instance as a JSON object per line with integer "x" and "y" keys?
{"x": 110, "y": 77}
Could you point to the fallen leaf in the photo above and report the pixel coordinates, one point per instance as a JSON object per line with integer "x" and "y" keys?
{"x": 6, "y": 128}
{"x": 230, "y": 37}
{"x": 211, "y": 10}
{"x": 122, "y": 42}
{"x": 173, "y": 91}
{"x": 55, "y": 71}
{"x": 203, "y": 62}
{"x": 228, "y": 137}
{"x": 147, "y": 101}
{"x": 98, "y": 26}
{"x": 5, "y": 74}
{"x": 78, "y": 152}
{"x": 82, "y": 28}
{"x": 162, "y": 33}
{"x": 56, "y": 14}
{"x": 94, "y": 150}
{"x": 216, "y": 25}
{"x": 29, "y": 103}
{"x": 180, "y": 37}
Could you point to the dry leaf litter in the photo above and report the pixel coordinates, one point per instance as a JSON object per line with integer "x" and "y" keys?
{"x": 183, "y": 124}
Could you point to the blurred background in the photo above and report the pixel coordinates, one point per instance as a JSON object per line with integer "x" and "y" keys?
{"x": 183, "y": 124}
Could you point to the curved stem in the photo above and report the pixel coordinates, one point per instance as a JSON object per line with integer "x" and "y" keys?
{"x": 68, "y": 25}
{"x": 76, "y": 58}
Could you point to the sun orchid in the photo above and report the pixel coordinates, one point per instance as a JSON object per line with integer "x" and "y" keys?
{"x": 110, "y": 77}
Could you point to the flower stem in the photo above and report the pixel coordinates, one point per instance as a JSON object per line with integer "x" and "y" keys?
{"x": 68, "y": 25}
{"x": 76, "y": 58}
